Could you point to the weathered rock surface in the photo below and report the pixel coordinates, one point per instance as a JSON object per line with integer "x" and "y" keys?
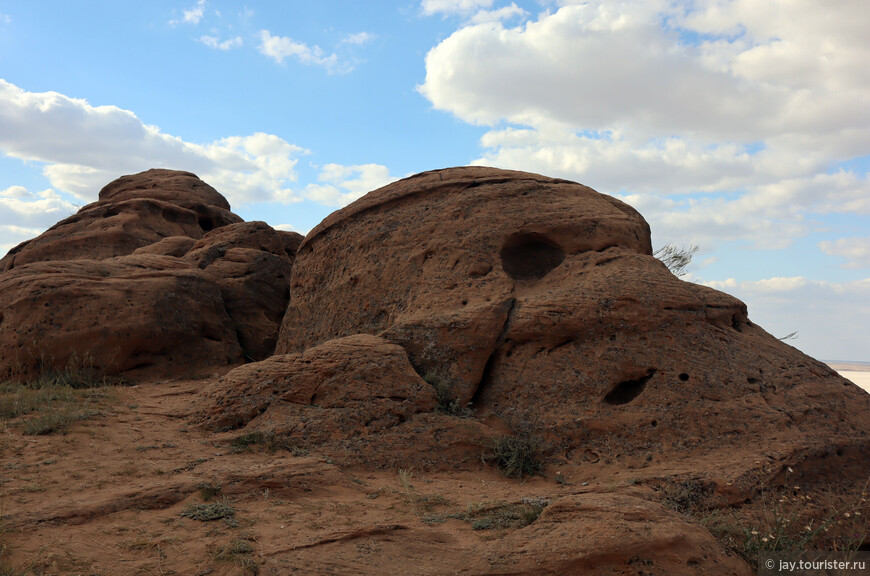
{"x": 357, "y": 398}
{"x": 157, "y": 274}
{"x": 132, "y": 212}
{"x": 251, "y": 263}
{"x": 367, "y": 376}
{"x": 538, "y": 300}
{"x": 535, "y": 301}
{"x": 611, "y": 534}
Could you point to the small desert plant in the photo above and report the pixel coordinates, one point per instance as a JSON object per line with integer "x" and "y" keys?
{"x": 498, "y": 515}
{"x": 676, "y": 259}
{"x": 54, "y": 422}
{"x": 208, "y": 490}
{"x": 518, "y": 455}
{"x": 422, "y": 503}
{"x": 239, "y": 552}
{"x": 270, "y": 440}
{"x": 789, "y": 522}
{"x": 507, "y": 516}
{"x": 53, "y": 401}
{"x": 209, "y": 512}
{"x": 79, "y": 372}
{"x": 447, "y": 404}
{"x": 688, "y": 497}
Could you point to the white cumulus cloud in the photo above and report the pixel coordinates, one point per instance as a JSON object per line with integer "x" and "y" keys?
{"x": 340, "y": 185}
{"x": 83, "y": 147}
{"x": 25, "y": 214}
{"x": 856, "y": 251}
{"x": 816, "y": 310}
{"x": 498, "y": 15}
{"x": 194, "y": 14}
{"x": 738, "y": 111}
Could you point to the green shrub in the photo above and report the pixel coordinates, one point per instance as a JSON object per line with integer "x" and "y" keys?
{"x": 239, "y": 552}
{"x": 489, "y": 516}
{"x": 208, "y": 512}
{"x": 54, "y": 400}
{"x": 447, "y": 404}
{"x": 516, "y": 456}
{"x": 208, "y": 490}
{"x": 270, "y": 440}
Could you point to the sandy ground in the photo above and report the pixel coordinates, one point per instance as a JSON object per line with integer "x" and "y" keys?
{"x": 114, "y": 496}
{"x": 109, "y": 497}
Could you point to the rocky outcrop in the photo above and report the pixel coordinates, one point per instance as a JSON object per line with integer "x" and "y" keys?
{"x": 132, "y": 212}
{"x": 452, "y": 317}
{"x": 157, "y": 274}
{"x": 357, "y": 398}
{"x": 538, "y": 301}
{"x": 366, "y": 379}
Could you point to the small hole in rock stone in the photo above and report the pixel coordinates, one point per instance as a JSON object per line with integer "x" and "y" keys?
{"x": 684, "y": 377}
{"x": 530, "y": 256}
{"x": 654, "y": 423}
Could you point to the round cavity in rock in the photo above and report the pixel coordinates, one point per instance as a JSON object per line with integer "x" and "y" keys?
{"x": 530, "y": 256}
{"x": 206, "y": 224}
{"x": 684, "y": 377}
{"x": 628, "y": 390}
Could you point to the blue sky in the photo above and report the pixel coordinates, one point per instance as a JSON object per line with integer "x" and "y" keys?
{"x": 737, "y": 125}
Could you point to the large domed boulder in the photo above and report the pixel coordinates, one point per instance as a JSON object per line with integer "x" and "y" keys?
{"x": 539, "y": 301}
{"x": 116, "y": 315}
{"x": 132, "y": 212}
{"x": 157, "y": 274}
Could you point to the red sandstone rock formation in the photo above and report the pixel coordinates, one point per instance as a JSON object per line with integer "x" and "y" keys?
{"x": 156, "y": 274}
{"x": 538, "y": 301}
{"x": 534, "y": 301}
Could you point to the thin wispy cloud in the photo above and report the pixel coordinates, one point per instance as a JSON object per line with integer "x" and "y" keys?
{"x": 192, "y": 15}
{"x": 359, "y": 38}
{"x": 215, "y": 43}
{"x": 446, "y": 7}
{"x": 280, "y": 48}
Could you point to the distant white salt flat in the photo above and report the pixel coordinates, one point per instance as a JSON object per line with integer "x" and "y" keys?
{"x": 862, "y": 379}
{"x": 857, "y": 372}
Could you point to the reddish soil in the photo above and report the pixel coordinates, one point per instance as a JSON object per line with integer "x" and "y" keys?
{"x": 108, "y": 496}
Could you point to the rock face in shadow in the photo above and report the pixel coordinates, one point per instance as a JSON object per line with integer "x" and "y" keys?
{"x": 539, "y": 302}
{"x": 156, "y": 274}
